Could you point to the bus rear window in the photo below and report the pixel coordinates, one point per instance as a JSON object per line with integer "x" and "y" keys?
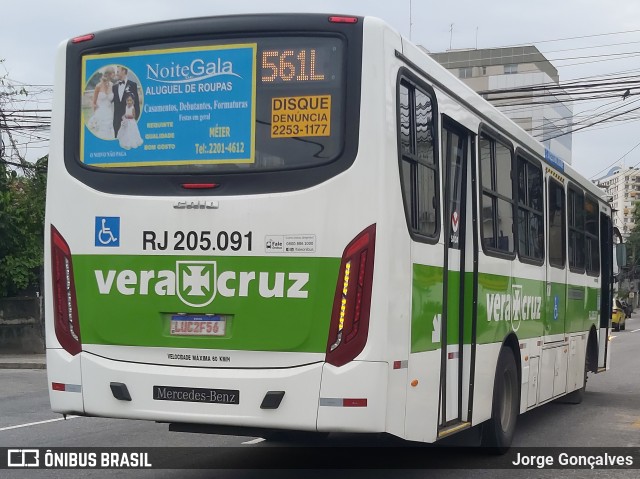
{"x": 241, "y": 104}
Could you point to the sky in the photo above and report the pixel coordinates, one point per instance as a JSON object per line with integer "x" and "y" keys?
{"x": 31, "y": 32}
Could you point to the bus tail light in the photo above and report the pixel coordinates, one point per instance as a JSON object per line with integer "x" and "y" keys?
{"x": 343, "y": 19}
{"x": 83, "y": 38}
{"x": 65, "y": 304}
{"x": 352, "y": 301}
{"x": 199, "y": 186}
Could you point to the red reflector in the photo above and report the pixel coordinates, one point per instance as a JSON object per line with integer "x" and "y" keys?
{"x": 397, "y": 364}
{"x": 83, "y": 38}
{"x": 343, "y": 19}
{"x": 199, "y": 186}
{"x": 57, "y": 386}
{"x": 354, "y": 402}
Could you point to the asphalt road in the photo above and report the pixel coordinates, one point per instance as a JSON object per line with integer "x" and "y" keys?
{"x": 608, "y": 417}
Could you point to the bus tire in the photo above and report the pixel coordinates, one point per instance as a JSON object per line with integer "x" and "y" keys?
{"x": 497, "y": 432}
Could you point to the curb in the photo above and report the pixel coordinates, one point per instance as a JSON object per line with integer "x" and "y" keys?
{"x": 23, "y": 366}
{"x": 17, "y": 362}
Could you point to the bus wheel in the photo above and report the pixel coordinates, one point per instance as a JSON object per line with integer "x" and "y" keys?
{"x": 497, "y": 432}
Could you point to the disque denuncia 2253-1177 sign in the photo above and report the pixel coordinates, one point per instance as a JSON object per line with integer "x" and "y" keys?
{"x": 180, "y": 106}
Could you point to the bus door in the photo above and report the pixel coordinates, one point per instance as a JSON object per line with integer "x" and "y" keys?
{"x": 454, "y": 359}
{"x": 606, "y": 293}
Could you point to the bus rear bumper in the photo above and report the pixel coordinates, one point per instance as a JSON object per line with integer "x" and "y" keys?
{"x": 317, "y": 396}
{"x": 247, "y": 387}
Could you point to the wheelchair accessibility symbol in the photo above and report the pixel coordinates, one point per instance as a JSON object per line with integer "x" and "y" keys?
{"x": 107, "y": 231}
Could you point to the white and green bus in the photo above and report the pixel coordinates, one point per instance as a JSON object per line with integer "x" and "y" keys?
{"x": 303, "y": 222}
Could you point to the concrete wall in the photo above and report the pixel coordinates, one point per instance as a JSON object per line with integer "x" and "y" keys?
{"x": 21, "y": 325}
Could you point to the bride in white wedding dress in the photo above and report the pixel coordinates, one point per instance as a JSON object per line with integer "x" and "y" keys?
{"x": 101, "y": 123}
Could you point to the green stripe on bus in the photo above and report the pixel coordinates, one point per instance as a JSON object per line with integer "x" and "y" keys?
{"x": 272, "y": 303}
{"x": 505, "y": 304}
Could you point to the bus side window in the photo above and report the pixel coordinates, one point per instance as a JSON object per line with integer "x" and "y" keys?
{"x": 497, "y": 196}
{"x": 576, "y": 229}
{"x": 557, "y": 237}
{"x": 418, "y": 166}
{"x": 530, "y": 210}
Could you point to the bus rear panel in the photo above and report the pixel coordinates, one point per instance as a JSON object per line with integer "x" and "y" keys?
{"x": 206, "y": 273}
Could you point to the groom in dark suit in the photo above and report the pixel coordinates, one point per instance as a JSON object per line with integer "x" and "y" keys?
{"x": 121, "y": 90}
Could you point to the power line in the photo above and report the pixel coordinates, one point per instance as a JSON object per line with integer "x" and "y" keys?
{"x": 616, "y": 161}
{"x": 594, "y": 123}
{"x": 562, "y": 86}
{"x": 543, "y": 58}
{"x": 575, "y": 38}
{"x": 591, "y": 47}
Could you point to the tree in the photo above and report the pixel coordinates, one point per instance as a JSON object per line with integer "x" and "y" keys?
{"x": 22, "y": 195}
{"x": 633, "y": 245}
{"x": 22, "y": 202}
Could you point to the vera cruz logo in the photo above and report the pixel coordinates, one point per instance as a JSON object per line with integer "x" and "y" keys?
{"x": 194, "y": 281}
{"x": 514, "y": 307}
{"x": 197, "y": 283}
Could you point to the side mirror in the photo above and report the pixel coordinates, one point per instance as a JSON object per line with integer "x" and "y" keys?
{"x": 621, "y": 255}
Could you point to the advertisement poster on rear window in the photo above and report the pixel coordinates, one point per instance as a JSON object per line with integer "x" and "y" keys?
{"x": 183, "y": 106}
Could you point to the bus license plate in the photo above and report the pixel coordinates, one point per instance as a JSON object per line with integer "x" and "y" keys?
{"x": 198, "y": 325}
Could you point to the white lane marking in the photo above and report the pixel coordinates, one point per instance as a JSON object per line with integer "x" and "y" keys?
{"x": 634, "y": 331}
{"x": 36, "y": 423}
{"x": 254, "y": 441}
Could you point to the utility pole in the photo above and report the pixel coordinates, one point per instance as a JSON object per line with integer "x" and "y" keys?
{"x": 410, "y": 20}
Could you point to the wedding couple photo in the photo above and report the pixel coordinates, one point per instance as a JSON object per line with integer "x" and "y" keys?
{"x": 111, "y": 103}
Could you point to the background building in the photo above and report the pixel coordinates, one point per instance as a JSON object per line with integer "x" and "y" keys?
{"x": 623, "y": 187}
{"x": 523, "y": 85}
